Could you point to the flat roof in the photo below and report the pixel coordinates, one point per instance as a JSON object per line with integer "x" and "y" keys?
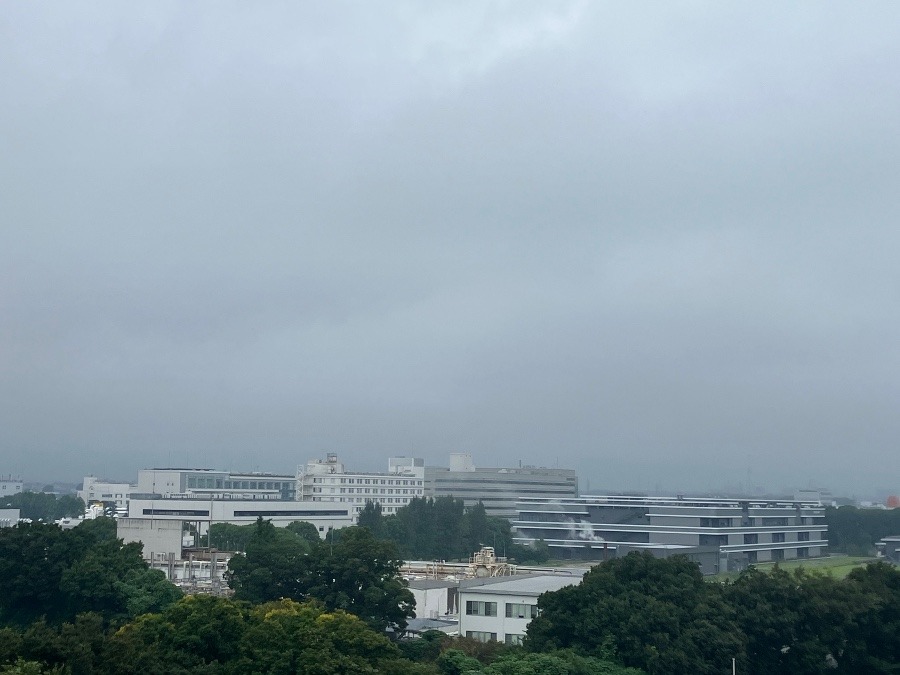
{"x": 526, "y": 584}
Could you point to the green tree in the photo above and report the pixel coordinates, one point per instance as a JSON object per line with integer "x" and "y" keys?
{"x": 57, "y": 574}
{"x": 361, "y": 575}
{"x": 275, "y": 565}
{"x": 306, "y": 531}
{"x": 656, "y": 614}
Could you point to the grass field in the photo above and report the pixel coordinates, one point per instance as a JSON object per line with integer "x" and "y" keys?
{"x": 837, "y": 566}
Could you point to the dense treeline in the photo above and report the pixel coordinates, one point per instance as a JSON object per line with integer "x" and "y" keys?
{"x": 661, "y": 616}
{"x": 354, "y": 572}
{"x": 55, "y": 574}
{"x": 213, "y": 636}
{"x": 855, "y": 531}
{"x": 44, "y": 506}
{"x": 81, "y": 601}
{"x": 441, "y": 528}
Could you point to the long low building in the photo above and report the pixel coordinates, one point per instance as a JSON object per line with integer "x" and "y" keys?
{"x": 207, "y": 511}
{"x": 744, "y": 531}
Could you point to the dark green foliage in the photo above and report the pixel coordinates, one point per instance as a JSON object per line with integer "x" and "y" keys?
{"x": 855, "y": 531}
{"x": 228, "y": 537}
{"x": 306, "y": 531}
{"x": 442, "y": 528}
{"x": 658, "y": 615}
{"x": 356, "y": 573}
{"x": 274, "y": 566}
{"x": 44, "y": 506}
{"x": 57, "y": 574}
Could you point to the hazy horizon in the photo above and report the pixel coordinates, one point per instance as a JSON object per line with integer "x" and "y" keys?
{"x": 652, "y": 243}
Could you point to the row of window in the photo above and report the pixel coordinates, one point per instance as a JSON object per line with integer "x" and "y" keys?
{"x": 367, "y": 491}
{"x": 514, "y": 610}
{"x": 777, "y": 554}
{"x": 487, "y": 636}
{"x": 220, "y": 484}
{"x": 777, "y": 537}
{"x": 753, "y": 522}
{"x": 366, "y": 481}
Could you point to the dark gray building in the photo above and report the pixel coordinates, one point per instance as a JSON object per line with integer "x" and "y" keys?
{"x": 743, "y": 531}
{"x": 499, "y": 489}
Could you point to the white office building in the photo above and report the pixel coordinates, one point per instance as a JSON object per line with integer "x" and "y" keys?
{"x": 327, "y": 480}
{"x": 10, "y": 486}
{"x": 500, "y": 608}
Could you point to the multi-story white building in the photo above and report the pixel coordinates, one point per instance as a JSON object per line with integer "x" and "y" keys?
{"x": 500, "y": 608}
{"x": 10, "y": 486}
{"x": 328, "y": 481}
{"x": 497, "y": 488}
{"x": 95, "y": 490}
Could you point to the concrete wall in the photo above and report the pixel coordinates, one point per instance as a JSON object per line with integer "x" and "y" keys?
{"x": 159, "y": 537}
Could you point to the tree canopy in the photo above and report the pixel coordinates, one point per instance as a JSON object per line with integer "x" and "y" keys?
{"x": 356, "y": 573}
{"x": 441, "y": 528}
{"x": 44, "y": 506}
{"x": 53, "y": 573}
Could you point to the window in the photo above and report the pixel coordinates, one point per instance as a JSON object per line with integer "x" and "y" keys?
{"x": 803, "y": 536}
{"x": 778, "y": 554}
{"x": 751, "y": 538}
{"x": 777, "y": 537}
{"x": 480, "y": 635}
{"x": 515, "y": 610}
{"x": 514, "y": 639}
{"x": 713, "y": 540}
{"x": 480, "y": 608}
{"x": 751, "y": 557}
{"x": 803, "y": 552}
{"x": 715, "y": 522}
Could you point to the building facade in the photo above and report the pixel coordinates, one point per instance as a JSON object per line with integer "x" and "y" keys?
{"x": 745, "y": 531}
{"x": 204, "y": 511}
{"x": 10, "y": 486}
{"x": 177, "y": 482}
{"x": 328, "y": 481}
{"x": 95, "y": 490}
{"x": 500, "y": 608}
{"x": 499, "y": 489}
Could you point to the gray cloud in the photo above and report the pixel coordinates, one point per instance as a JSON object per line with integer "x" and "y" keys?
{"x": 652, "y": 243}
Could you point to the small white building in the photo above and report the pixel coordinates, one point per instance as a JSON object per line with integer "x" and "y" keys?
{"x": 500, "y": 608}
{"x": 95, "y": 490}
{"x": 10, "y": 486}
{"x": 328, "y": 481}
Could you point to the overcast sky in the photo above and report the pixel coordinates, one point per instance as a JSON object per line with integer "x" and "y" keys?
{"x": 657, "y": 243}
